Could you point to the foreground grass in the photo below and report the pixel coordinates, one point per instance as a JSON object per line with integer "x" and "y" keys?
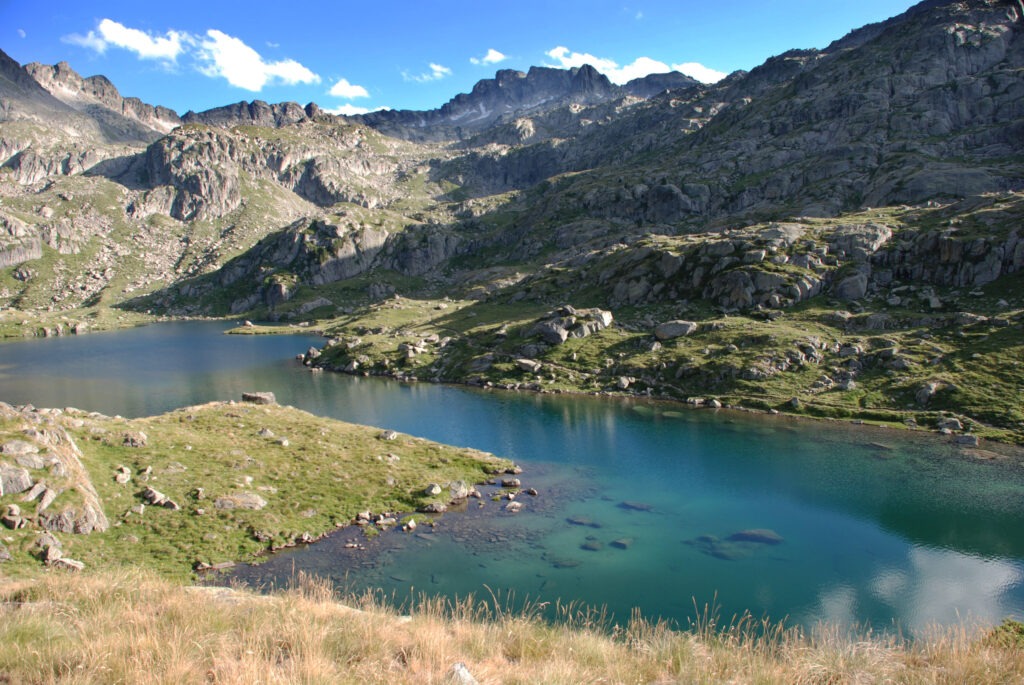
{"x": 129, "y": 627}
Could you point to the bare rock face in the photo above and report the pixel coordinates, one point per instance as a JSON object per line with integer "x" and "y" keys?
{"x": 201, "y": 167}
{"x": 74, "y": 507}
{"x": 97, "y": 96}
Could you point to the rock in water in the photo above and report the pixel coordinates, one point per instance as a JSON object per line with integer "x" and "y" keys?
{"x": 259, "y": 397}
{"x": 763, "y": 536}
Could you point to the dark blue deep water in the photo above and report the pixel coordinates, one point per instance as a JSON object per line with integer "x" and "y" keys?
{"x": 873, "y": 526}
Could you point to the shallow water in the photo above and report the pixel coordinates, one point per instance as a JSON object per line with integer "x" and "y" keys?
{"x": 876, "y": 526}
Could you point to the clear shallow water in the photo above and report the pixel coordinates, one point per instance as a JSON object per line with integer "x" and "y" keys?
{"x": 876, "y": 528}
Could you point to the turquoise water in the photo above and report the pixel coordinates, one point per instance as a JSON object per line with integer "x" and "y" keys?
{"x": 866, "y": 525}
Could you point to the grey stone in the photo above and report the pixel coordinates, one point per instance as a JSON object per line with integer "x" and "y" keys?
{"x": 259, "y": 397}
{"x": 460, "y": 675}
{"x": 458, "y": 489}
{"x": 135, "y": 439}
{"x": 13, "y": 480}
{"x": 529, "y": 365}
{"x": 950, "y": 423}
{"x": 432, "y": 490}
{"x": 245, "y": 500}
{"x": 674, "y": 329}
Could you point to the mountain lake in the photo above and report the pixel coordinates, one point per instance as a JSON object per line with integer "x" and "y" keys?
{"x": 641, "y": 504}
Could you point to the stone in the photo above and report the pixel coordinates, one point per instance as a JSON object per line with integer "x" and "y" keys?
{"x": 949, "y": 424}
{"x": 34, "y": 492}
{"x": 17, "y": 448}
{"x": 966, "y": 440}
{"x": 434, "y": 508}
{"x": 460, "y": 675}
{"x": 123, "y": 475}
{"x": 592, "y": 546}
{"x": 134, "y": 439}
{"x": 582, "y": 521}
{"x": 529, "y": 365}
{"x": 432, "y": 490}
{"x": 926, "y": 392}
{"x": 853, "y": 287}
{"x": 622, "y": 543}
{"x": 66, "y": 564}
{"x": 388, "y": 435}
{"x": 458, "y": 490}
{"x": 623, "y": 382}
{"x": 514, "y": 507}
{"x": 4, "y": 554}
{"x": 14, "y": 480}
{"x": 629, "y": 505}
{"x": 764, "y": 536}
{"x": 49, "y": 495}
{"x": 245, "y": 500}
{"x": 670, "y": 330}
{"x": 511, "y": 483}
{"x": 259, "y": 397}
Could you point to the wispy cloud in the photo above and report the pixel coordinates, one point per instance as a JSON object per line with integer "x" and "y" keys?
{"x": 217, "y": 54}
{"x": 147, "y": 46}
{"x": 21, "y": 33}
{"x": 700, "y": 72}
{"x": 436, "y": 73}
{"x": 225, "y": 56}
{"x": 492, "y": 57}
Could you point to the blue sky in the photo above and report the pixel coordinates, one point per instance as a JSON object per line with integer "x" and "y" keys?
{"x": 349, "y": 56}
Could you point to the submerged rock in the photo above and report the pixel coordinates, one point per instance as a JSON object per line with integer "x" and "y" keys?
{"x": 764, "y": 536}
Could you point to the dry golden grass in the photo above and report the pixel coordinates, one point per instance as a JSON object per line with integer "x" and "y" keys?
{"x": 131, "y": 627}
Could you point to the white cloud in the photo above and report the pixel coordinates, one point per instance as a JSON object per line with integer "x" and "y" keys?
{"x": 436, "y": 72}
{"x": 641, "y": 66}
{"x": 110, "y": 33}
{"x": 21, "y": 33}
{"x": 638, "y": 68}
{"x": 349, "y": 91}
{"x": 348, "y": 110}
{"x": 243, "y": 67}
{"x": 700, "y": 72}
{"x": 492, "y": 57}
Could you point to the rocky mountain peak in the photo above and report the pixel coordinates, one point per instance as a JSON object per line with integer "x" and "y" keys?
{"x": 97, "y": 97}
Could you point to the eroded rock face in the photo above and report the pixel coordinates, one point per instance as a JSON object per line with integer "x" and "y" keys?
{"x": 74, "y": 507}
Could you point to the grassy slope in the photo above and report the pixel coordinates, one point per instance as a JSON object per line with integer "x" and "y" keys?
{"x": 327, "y": 472}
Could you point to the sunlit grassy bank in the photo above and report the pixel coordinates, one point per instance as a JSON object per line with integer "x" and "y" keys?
{"x": 132, "y": 627}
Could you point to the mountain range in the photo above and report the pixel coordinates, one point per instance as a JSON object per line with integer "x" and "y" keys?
{"x": 837, "y": 230}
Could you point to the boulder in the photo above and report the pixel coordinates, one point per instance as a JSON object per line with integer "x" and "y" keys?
{"x": 949, "y": 424}
{"x": 764, "y": 536}
{"x": 458, "y": 489}
{"x": 853, "y": 287}
{"x": 13, "y": 480}
{"x": 259, "y": 397}
{"x": 245, "y": 500}
{"x": 4, "y": 554}
{"x": 134, "y": 439}
{"x": 434, "y": 508}
{"x": 17, "y": 448}
{"x": 432, "y": 490}
{"x": 529, "y": 365}
{"x": 670, "y": 330}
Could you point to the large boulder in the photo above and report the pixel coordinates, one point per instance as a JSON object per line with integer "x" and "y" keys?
{"x": 670, "y": 330}
{"x": 13, "y": 480}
